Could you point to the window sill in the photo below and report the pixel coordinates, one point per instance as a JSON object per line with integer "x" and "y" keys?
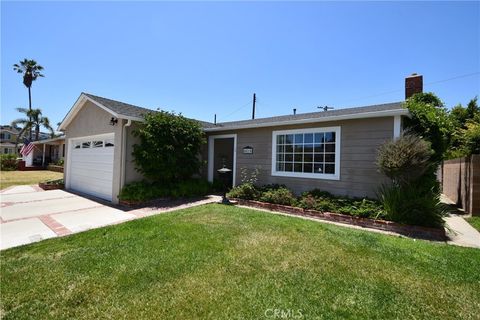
{"x": 306, "y": 175}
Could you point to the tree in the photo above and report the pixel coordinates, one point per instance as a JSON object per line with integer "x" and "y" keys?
{"x": 465, "y": 135}
{"x": 31, "y": 71}
{"x": 169, "y": 147}
{"x": 431, "y": 121}
{"x": 33, "y": 120}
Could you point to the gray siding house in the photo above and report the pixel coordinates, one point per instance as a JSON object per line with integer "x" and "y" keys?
{"x": 332, "y": 150}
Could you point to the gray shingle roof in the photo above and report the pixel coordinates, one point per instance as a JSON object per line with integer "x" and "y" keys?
{"x": 313, "y": 115}
{"x": 130, "y": 110}
{"x": 119, "y": 107}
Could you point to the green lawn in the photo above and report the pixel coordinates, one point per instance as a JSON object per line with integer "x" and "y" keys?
{"x": 222, "y": 262}
{"x": 475, "y": 222}
{"x": 13, "y": 178}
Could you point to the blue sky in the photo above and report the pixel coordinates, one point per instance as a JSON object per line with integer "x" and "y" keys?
{"x": 205, "y": 58}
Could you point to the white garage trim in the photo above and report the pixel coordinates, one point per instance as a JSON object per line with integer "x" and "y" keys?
{"x": 91, "y": 168}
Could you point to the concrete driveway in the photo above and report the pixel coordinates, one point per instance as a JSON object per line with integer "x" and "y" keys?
{"x": 29, "y": 214}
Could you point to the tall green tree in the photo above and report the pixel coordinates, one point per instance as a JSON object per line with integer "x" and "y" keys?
{"x": 31, "y": 70}
{"x": 431, "y": 121}
{"x": 33, "y": 120}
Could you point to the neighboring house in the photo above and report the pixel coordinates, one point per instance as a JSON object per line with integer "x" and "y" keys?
{"x": 332, "y": 150}
{"x": 46, "y": 151}
{"x": 8, "y": 138}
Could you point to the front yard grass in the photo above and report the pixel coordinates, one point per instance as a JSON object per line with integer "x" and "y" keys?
{"x": 224, "y": 262}
{"x": 13, "y": 178}
{"x": 474, "y": 222}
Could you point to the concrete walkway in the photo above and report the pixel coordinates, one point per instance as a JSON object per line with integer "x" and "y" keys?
{"x": 29, "y": 214}
{"x": 460, "y": 232}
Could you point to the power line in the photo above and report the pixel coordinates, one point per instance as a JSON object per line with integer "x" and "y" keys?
{"x": 236, "y": 110}
{"x": 426, "y": 84}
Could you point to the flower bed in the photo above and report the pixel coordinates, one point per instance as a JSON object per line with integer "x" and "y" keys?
{"x": 55, "y": 168}
{"x": 407, "y": 230}
{"x": 52, "y": 185}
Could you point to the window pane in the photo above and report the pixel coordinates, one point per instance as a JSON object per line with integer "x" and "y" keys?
{"x": 288, "y": 167}
{"x": 318, "y": 157}
{"x": 97, "y": 144}
{"x": 288, "y": 148}
{"x": 280, "y": 166}
{"x": 330, "y": 157}
{"x": 308, "y": 157}
{"x": 77, "y": 145}
{"x": 108, "y": 144}
{"x": 308, "y": 138}
{"x": 317, "y": 168}
{"x": 280, "y": 148}
{"x": 319, "y": 147}
{"x": 289, "y": 157}
{"x": 281, "y": 157}
{"x": 298, "y": 167}
{"x": 299, "y": 138}
{"x": 298, "y": 157}
{"x": 298, "y": 148}
{"x": 330, "y": 137}
{"x": 330, "y": 168}
{"x": 281, "y": 139}
{"x": 330, "y": 147}
{"x": 307, "y": 168}
{"x": 308, "y": 148}
{"x": 86, "y": 144}
{"x": 318, "y": 137}
{"x": 289, "y": 139}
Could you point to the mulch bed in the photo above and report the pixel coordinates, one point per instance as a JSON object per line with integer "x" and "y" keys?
{"x": 406, "y": 230}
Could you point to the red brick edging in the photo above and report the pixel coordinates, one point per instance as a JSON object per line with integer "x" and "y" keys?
{"x": 407, "y": 230}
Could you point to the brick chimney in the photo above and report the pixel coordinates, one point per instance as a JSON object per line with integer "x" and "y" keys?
{"x": 413, "y": 84}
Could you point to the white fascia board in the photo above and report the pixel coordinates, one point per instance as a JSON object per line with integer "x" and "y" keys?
{"x": 376, "y": 114}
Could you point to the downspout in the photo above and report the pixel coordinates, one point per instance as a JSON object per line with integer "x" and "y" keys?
{"x": 124, "y": 152}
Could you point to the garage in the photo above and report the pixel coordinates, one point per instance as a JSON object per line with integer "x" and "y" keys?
{"x": 90, "y": 163}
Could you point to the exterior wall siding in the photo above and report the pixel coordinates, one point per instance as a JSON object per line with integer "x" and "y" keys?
{"x": 90, "y": 121}
{"x": 360, "y": 140}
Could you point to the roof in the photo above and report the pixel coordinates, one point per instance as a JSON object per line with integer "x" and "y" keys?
{"x": 123, "y": 110}
{"x": 379, "y": 110}
{"x": 47, "y": 141}
{"x": 118, "y": 109}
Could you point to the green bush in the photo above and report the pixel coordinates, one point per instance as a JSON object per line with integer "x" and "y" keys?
{"x": 8, "y": 162}
{"x": 169, "y": 147}
{"x": 144, "y": 190}
{"x": 413, "y": 205}
{"x": 405, "y": 159}
{"x": 280, "y": 195}
{"x": 247, "y": 191}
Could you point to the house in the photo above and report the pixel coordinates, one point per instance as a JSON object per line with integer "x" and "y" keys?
{"x": 46, "y": 151}
{"x": 332, "y": 150}
{"x": 8, "y": 139}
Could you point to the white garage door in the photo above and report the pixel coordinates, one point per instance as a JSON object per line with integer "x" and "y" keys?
{"x": 91, "y": 165}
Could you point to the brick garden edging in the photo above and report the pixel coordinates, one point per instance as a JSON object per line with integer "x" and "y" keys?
{"x": 406, "y": 230}
{"x": 47, "y": 186}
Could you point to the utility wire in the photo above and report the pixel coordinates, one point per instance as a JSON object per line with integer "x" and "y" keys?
{"x": 426, "y": 84}
{"x": 236, "y": 110}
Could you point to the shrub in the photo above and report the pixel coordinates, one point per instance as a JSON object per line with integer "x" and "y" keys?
{"x": 144, "y": 190}
{"x": 431, "y": 121}
{"x": 413, "y": 205}
{"x": 280, "y": 195}
{"x": 169, "y": 147}
{"x": 247, "y": 191}
{"x": 191, "y": 188}
{"x": 405, "y": 159}
{"x": 8, "y": 162}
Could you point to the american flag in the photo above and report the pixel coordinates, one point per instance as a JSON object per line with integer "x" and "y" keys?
{"x": 27, "y": 147}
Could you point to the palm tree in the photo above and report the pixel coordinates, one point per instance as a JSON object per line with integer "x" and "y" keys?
{"x": 31, "y": 71}
{"x": 33, "y": 120}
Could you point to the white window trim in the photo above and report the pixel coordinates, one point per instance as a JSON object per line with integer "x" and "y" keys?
{"x": 321, "y": 176}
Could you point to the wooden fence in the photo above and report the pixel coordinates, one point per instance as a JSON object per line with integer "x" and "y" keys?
{"x": 461, "y": 182}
